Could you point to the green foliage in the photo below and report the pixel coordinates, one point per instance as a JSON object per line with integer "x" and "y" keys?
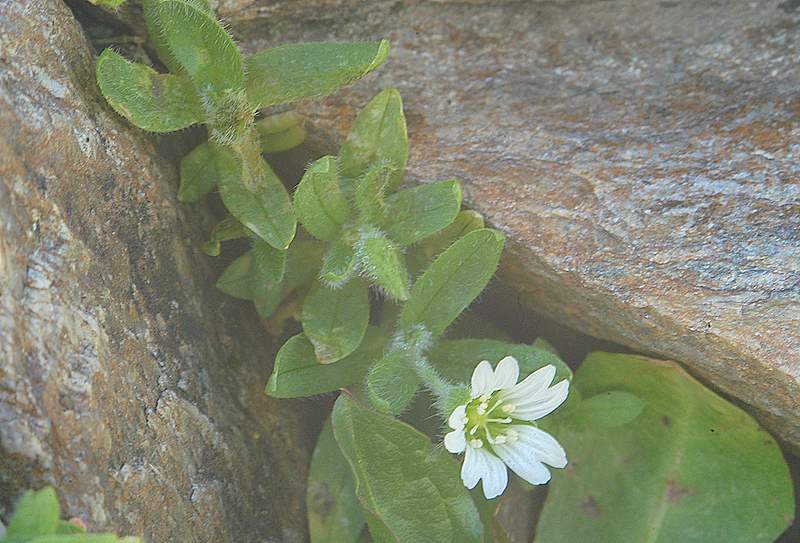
{"x": 408, "y": 488}
{"x": 321, "y": 205}
{"x": 333, "y": 512}
{"x": 689, "y": 467}
{"x": 281, "y": 132}
{"x": 453, "y": 281}
{"x": 301, "y": 71}
{"x": 335, "y": 320}
{"x": 152, "y": 101}
{"x": 36, "y": 519}
{"x": 198, "y": 174}
{"x": 392, "y": 382}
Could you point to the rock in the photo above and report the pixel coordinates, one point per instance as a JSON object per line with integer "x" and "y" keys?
{"x": 641, "y": 156}
{"x": 126, "y": 380}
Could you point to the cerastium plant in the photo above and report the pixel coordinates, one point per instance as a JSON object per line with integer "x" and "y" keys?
{"x": 211, "y": 83}
{"x": 379, "y": 274}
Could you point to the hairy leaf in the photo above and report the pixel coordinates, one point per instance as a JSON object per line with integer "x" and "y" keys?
{"x": 150, "y": 100}
{"x": 408, "y": 489}
{"x": 690, "y": 468}
{"x": 378, "y": 138}
{"x": 392, "y": 382}
{"x": 309, "y": 70}
{"x": 382, "y": 262}
{"x": 339, "y": 265}
{"x": 201, "y": 46}
{"x": 319, "y": 202}
{"x": 255, "y": 196}
{"x": 297, "y": 372}
{"x": 157, "y": 36}
{"x": 335, "y": 320}
{"x": 453, "y": 281}
{"x": 198, "y": 174}
{"x": 425, "y": 251}
{"x": 333, "y": 512}
{"x": 416, "y": 213}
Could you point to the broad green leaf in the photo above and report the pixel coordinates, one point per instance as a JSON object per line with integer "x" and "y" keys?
{"x": 424, "y": 252}
{"x": 691, "y": 467}
{"x": 255, "y": 196}
{"x": 297, "y": 372}
{"x": 283, "y": 141}
{"x": 269, "y": 267}
{"x": 453, "y": 281}
{"x": 608, "y": 409}
{"x": 201, "y": 46}
{"x": 150, "y": 100}
{"x": 333, "y": 512}
{"x": 36, "y": 515}
{"x": 226, "y": 229}
{"x": 302, "y": 263}
{"x": 382, "y": 262}
{"x": 456, "y": 358}
{"x": 408, "y": 489}
{"x": 281, "y": 131}
{"x": 370, "y": 193}
{"x": 309, "y": 70}
{"x": 319, "y": 202}
{"x": 392, "y": 382}
{"x": 156, "y": 35}
{"x": 339, "y": 265}
{"x": 334, "y": 320}
{"x": 237, "y": 279}
{"x": 198, "y": 174}
{"x": 416, "y": 213}
{"x": 378, "y": 137}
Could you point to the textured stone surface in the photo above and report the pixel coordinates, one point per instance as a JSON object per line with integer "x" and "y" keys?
{"x": 125, "y": 379}
{"x": 641, "y": 156}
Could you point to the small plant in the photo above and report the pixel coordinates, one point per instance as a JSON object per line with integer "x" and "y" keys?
{"x": 37, "y": 519}
{"x": 211, "y": 83}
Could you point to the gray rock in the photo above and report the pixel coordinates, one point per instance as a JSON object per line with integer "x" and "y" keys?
{"x": 125, "y": 379}
{"x": 641, "y": 156}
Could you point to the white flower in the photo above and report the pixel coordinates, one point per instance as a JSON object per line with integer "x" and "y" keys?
{"x": 494, "y": 428}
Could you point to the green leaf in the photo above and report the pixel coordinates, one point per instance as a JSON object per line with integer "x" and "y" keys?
{"x": 319, "y": 202}
{"x": 453, "y": 281}
{"x": 335, "y": 320}
{"x": 425, "y": 251}
{"x": 226, "y": 229}
{"x": 255, "y": 196}
{"x": 236, "y": 280}
{"x": 201, "y": 46}
{"x": 378, "y": 137}
{"x": 67, "y": 527}
{"x": 382, "y": 262}
{"x": 339, "y": 265}
{"x": 333, "y": 512}
{"x": 269, "y": 267}
{"x": 35, "y": 515}
{"x": 156, "y": 35}
{"x": 198, "y": 174}
{"x": 152, "y": 101}
{"x": 302, "y": 263}
{"x": 607, "y": 410}
{"x": 416, "y": 213}
{"x": 309, "y": 70}
{"x": 297, "y": 372}
{"x": 392, "y": 382}
{"x": 283, "y": 141}
{"x": 408, "y": 489}
{"x": 370, "y": 193}
{"x": 456, "y": 358}
{"x": 691, "y": 467}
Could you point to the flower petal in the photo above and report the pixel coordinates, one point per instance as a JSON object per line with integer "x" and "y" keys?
{"x": 541, "y": 444}
{"x": 496, "y": 478}
{"x": 532, "y": 385}
{"x": 506, "y": 373}
{"x": 473, "y": 468}
{"x": 482, "y": 379}
{"x": 543, "y": 403}
{"x": 523, "y": 462}
{"x": 458, "y": 418}
{"x": 455, "y": 441}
